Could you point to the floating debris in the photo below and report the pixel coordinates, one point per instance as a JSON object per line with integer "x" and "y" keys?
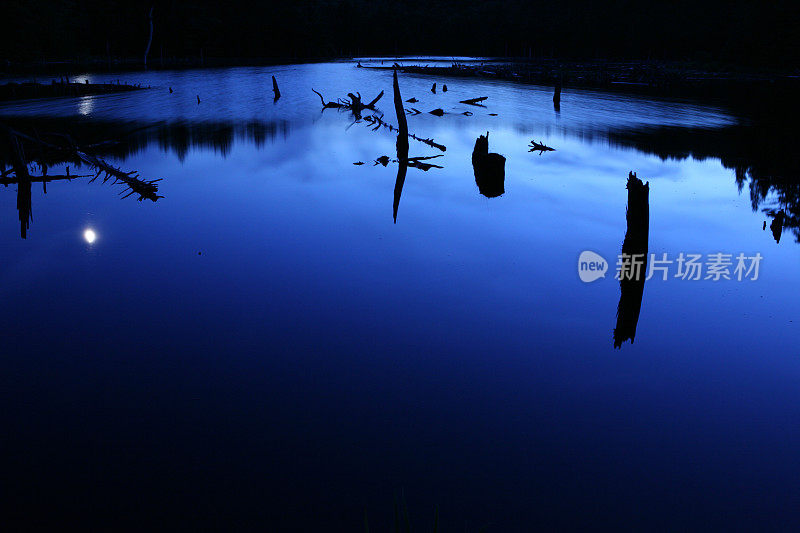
{"x": 474, "y": 101}
{"x": 540, "y": 147}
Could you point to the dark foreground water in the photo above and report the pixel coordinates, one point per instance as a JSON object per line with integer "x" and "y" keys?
{"x": 264, "y": 348}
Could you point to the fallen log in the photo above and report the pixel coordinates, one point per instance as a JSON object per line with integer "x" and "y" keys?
{"x": 379, "y": 122}
{"x": 144, "y": 188}
{"x": 474, "y": 101}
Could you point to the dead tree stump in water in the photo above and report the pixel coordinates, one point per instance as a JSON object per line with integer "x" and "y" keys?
{"x": 489, "y": 168}
{"x": 275, "y": 89}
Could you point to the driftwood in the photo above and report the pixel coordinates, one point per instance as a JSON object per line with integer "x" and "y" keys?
{"x": 474, "y": 101}
{"x": 415, "y": 162}
{"x": 540, "y": 147}
{"x": 326, "y": 105}
{"x": 71, "y": 151}
{"x": 43, "y": 179}
{"x": 354, "y": 103}
{"x": 46, "y": 151}
{"x": 378, "y": 122}
{"x": 135, "y": 185}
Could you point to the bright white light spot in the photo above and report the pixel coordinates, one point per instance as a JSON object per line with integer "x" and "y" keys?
{"x": 90, "y": 236}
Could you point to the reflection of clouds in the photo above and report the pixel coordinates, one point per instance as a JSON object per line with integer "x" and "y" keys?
{"x": 86, "y": 105}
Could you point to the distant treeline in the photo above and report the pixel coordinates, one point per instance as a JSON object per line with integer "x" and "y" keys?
{"x": 739, "y": 32}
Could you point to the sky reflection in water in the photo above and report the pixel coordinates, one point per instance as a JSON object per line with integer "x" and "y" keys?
{"x": 265, "y": 333}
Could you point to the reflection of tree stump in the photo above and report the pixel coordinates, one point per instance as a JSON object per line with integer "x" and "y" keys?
{"x": 489, "y": 168}
{"x": 776, "y": 226}
{"x": 634, "y": 247}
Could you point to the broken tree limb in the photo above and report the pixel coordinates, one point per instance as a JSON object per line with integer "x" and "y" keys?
{"x": 539, "y": 147}
{"x": 474, "y": 101}
{"x": 144, "y": 188}
{"x": 43, "y": 179}
{"x": 379, "y": 122}
{"x": 425, "y": 158}
{"x": 325, "y": 104}
{"x": 375, "y": 100}
{"x": 354, "y": 103}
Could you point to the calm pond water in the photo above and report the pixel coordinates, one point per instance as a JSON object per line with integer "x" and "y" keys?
{"x": 265, "y": 348}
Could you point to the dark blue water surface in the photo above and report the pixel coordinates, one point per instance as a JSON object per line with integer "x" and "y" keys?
{"x": 263, "y": 348}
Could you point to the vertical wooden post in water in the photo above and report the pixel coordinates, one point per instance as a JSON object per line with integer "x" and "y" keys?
{"x": 275, "y": 89}
{"x": 402, "y": 146}
{"x": 402, "y": 124}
